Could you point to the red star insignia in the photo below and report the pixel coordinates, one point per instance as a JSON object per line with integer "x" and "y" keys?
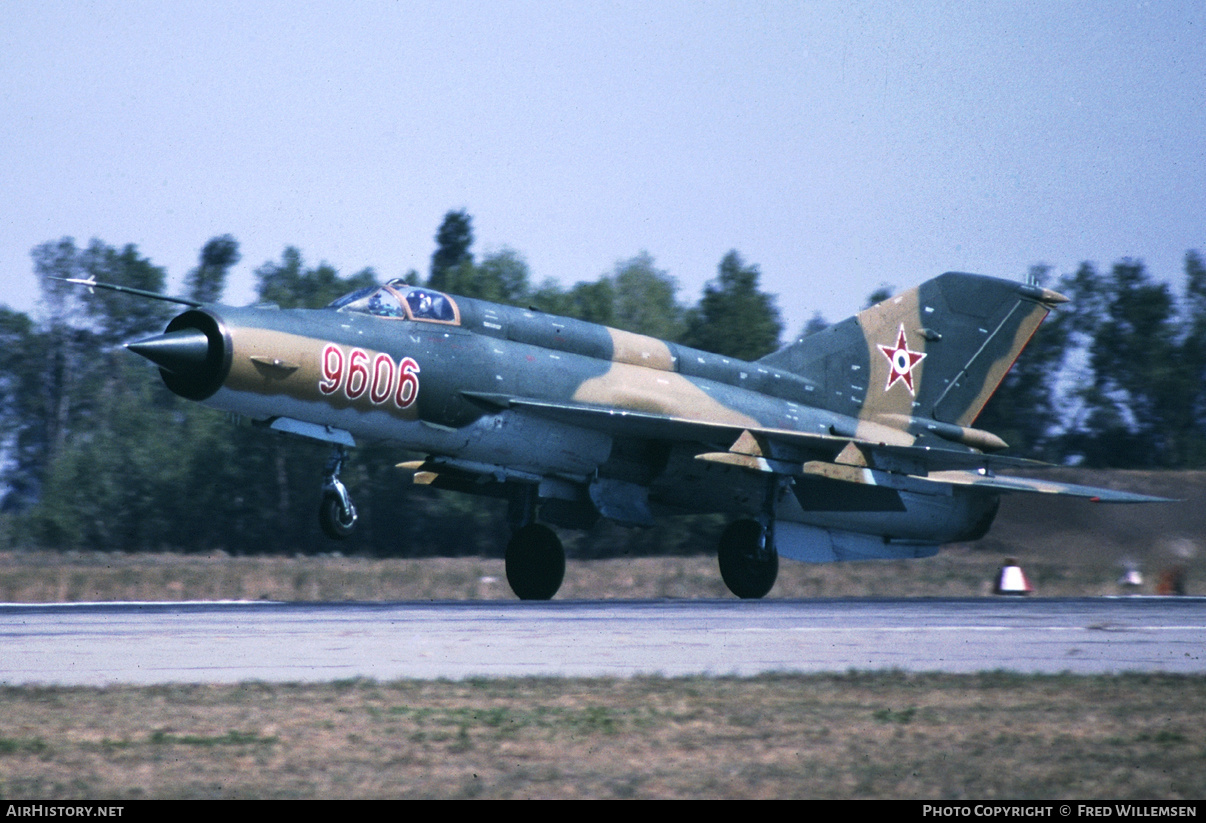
{"x": 901, "y": 361}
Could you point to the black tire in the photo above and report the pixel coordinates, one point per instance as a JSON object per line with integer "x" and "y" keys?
{"x": 337, "y": 523}
{"x": 535, "y": 562}
{"x": 747, "y": 570}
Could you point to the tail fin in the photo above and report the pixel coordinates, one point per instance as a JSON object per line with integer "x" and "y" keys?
{"x": 937, "y": 351}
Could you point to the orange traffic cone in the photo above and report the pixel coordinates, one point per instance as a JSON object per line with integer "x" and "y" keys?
{"x": 1011, "y": 579}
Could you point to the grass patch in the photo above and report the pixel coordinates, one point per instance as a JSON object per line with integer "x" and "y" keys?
{"x": 890, "y": 716}
{"x": 161, "y": 737}
{"x": 33, "y": 745}
{"x": 857, "y": 735}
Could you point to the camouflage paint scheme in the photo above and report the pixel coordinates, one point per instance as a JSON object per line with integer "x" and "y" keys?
{"x": 853, "y": 443}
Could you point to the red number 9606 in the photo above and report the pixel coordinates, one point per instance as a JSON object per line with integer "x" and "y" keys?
{"x": 356, "y": 373}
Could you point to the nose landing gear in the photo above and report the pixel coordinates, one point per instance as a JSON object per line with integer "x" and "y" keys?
{"x": 336, "y": 513}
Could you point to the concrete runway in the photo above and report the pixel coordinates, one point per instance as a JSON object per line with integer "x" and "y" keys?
{"x": 143, "y": 643}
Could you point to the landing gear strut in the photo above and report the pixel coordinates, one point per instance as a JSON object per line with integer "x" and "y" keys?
{"x": 336, "y": 514}
{"x": 749, "y": 563}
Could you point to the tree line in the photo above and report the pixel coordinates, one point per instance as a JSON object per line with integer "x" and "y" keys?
{"x": 97, "y": 454}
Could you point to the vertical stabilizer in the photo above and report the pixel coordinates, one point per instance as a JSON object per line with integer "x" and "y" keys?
{"x": 936, "y": 352}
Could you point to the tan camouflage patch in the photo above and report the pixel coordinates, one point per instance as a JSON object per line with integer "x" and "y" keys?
{"x": 743, "y": 461}
{"x": 271, "y": 362}
{"x": 833, "y": 471}
{"x": 872, "y": 432}
{"x": 640, "y": 350}
{"x": 882, "y": 325}
{"x": 657, "y": 392}
{"x": 996, "y": 372}
{"x": 747, "y": 443}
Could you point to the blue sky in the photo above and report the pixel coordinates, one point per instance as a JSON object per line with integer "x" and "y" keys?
{"x": 837, "y": 146}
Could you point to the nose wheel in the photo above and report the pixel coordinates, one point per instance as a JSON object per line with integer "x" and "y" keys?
{"x": 336, "y": 513}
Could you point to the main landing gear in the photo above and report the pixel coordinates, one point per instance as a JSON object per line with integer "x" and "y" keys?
{"x": 535, "y": 558}
{"x": 749, "y": 563}
{"x": 535, "y": 562}
{"x": 336, "y": 514}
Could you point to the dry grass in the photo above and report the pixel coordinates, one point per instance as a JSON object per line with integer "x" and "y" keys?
{"x": 46, "y": 577}
{"x": 887, "y": 735}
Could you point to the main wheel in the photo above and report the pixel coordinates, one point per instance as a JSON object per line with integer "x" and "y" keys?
{"x": 336, "y": 521}
{"x": 748, "y": 568}
{"x": 535, "y": 562}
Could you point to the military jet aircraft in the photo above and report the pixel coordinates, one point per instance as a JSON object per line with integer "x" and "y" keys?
{"x": 854, "y": 443}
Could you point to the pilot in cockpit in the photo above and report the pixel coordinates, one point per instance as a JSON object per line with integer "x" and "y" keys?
{"x": 426, "y": 305}
{"x": 385, "y": 304}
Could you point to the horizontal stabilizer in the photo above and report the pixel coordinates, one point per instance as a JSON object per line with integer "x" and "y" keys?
{"x": 932, "y": 459}
{"x": 1030, "y": 485}
{"x": 940, "y": 482}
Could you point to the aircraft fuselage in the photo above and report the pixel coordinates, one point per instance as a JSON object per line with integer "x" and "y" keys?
{"x": 854, "y": 443}
{"x": 430, "y": 386}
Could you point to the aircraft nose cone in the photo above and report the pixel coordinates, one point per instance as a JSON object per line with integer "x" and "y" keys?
{"x": 177, "y": 351}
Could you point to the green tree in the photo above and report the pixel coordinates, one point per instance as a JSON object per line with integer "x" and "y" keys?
{"x": 100, "y": 459}
{"x": 734, "y": 317}
{"x": 24, "y": 439}
{"x": 290, "y": 285}
{"x": 453, "y": 240}
{"x": 1133, "y": 358}
{"x": 645, "y": 300}
{"x": 80, "y": 326}
{"x": 111, "y": 316}
{"x": 115, "y": 485}
{"x": 593, "y": 302}
{"x": 551, "y": 298}
{"x": 882, "y": 293}
{"x": 120, "y": 317}
{"x": 501, "y": 277}
{"x": 506, "y": 276}
{"x": 815, "y": 324}
{"x": 207, "y": 281}
{"x": 1193, "y": 360}
{"x": 1139, "y": 389}
{"x": 65, "y": 349}
{"x": 54, "y": 261}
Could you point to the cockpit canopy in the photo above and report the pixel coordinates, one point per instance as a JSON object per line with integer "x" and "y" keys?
{"x": 400, "y": 300}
